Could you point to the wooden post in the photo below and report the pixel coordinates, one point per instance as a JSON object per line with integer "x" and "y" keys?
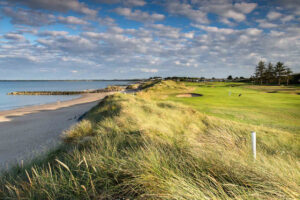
{"x": 253, "y": 137}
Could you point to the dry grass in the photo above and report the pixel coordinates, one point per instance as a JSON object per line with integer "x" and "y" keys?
{"x": 76, "y": 132}
{"x": 146, "y": 149}
{"x": 133, "y": 86}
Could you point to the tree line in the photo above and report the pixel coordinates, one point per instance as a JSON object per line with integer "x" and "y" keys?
{"x": 271, "y": 74}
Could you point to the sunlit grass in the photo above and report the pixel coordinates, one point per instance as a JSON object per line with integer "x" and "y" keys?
{"x": 135, "y": 147}
{"x": 254, "y": 106}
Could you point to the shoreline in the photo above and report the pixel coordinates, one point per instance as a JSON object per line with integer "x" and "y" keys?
{"x": 31, "y": 105}
{"x": 32, "y": 130}
{"x": 83, "y": 98}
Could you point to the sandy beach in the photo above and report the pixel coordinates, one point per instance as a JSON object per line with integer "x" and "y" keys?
{"x": 27, "y": 132}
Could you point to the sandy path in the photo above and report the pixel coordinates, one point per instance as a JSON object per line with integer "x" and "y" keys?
{"x": 29, "y": 131}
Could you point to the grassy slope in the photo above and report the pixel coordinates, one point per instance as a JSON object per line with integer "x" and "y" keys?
{"x": 139, "y": 148}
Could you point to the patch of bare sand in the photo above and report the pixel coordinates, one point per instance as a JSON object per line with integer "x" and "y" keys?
{"x": 185, "y": 95}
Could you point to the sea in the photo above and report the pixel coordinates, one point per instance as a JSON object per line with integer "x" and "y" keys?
{"x": 9, "y": 102}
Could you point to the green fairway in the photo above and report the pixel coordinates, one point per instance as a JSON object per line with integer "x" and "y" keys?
{"x": 270, "y": 106}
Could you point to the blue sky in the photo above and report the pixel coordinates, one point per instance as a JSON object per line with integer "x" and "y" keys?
{"x": 106, "y": 39}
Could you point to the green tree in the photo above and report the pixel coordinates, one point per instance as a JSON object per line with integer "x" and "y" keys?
{"x": 288, "y": 73}
{"x": 260, "y": 71}
{"x": 279, "y": 71}
{"x": 229, "y": 77}
{"x": 269, "y": 73}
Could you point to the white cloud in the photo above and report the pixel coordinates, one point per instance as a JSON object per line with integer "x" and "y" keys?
{"x": 116, "y": 29}
{"x": 139, "y": 15}
{"x": 53, "y": 33}
{"x": 92, "y": 35}
{"x": 287, "y": 18}
{"x": 135, "y": 2}
{"x": 28, "y": 17}
{"x": 72, "y": 20}
{"x": 165, "y": 31}
{"x": 215, "y": 29}
{"x": 253, "y": 31}
{"x": 189, "y": 35}
{"x": 58, "y": 5}
{"x": 14, "y": 36}
{"x": 72, "y": 44}
{"x": 146, "y": 70}
{"x": 227, "y": 21}
{"x": 273, "y": 15}
{"x": 183, "y": 9}
{"x": 225, "y": 9}
{"x": 234, "y": 15}
{"x": 125, "y": 2}
{"x": 187, "y": 62}
{"x": 197, "y": 10}
{"x": 292, "y": 5}
{"x": 265, "y": 24}
{"x": 245, "y": 7}
{"x": 276, "y": 33}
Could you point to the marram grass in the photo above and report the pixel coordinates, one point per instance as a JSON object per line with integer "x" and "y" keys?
{"x": 137, "y": 148}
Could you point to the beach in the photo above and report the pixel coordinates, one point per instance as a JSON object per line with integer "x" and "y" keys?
{"x": 30, "y": 131}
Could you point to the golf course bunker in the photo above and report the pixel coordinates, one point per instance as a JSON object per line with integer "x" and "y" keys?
{"x": 185, "y": 95}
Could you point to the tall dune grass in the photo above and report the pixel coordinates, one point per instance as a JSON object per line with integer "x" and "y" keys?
{"x": 133, "y": 147}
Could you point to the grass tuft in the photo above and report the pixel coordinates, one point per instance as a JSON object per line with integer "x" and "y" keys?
{"x": 80, "y": 130}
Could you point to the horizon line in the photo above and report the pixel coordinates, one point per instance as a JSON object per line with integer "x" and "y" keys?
{"x": 72, "y": 79}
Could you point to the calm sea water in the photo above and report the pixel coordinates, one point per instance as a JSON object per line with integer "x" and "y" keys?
{"x": 8, "y": 102}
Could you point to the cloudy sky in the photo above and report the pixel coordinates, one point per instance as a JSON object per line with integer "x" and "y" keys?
{"x": 105, "y": 39}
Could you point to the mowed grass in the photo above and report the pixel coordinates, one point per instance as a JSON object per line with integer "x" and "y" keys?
{"x": 271, "y": 106}
{"x": 145, "y": 146}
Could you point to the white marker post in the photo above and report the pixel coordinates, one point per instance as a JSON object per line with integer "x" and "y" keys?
{"x": 253, "y": 137}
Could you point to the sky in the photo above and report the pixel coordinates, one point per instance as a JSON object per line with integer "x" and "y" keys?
{"x": 121, "y": 39}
